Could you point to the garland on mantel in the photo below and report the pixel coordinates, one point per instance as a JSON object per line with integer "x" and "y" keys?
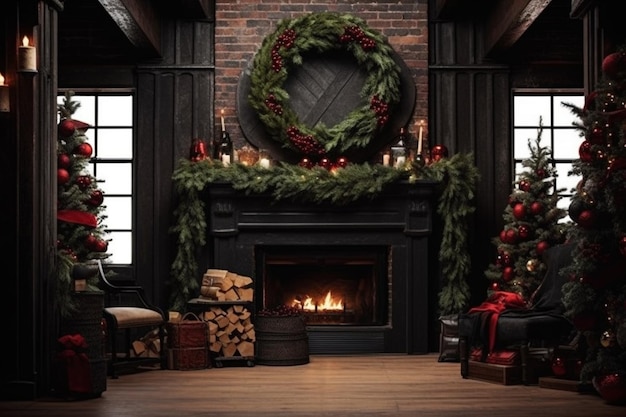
{"x": 457, "y": 176}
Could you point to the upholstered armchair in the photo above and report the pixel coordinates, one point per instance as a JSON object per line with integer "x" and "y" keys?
{"x": 126, "y": 310}
{"x": 540, "y": 325}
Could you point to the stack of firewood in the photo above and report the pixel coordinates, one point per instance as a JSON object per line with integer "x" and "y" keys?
{"x": 223, "y": 285}
{"x": 231, "y": 332}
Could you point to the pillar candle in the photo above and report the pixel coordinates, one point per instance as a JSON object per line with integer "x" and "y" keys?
{"x": 223, "y": 124}
{"x": 420, "y": 137}
{"x": 27, "y": 57}
{"x": 5, "y": 103}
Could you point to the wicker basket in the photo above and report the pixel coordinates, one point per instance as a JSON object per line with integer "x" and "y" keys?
{"x": 187, "y": 344}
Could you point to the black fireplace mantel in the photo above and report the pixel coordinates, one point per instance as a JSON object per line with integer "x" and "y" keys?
{"x": 401, "y": 218}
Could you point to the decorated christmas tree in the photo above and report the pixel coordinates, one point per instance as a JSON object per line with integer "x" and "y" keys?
{"x": 595, "y": 296}
{"x": 80, "y": 231}
{"x": 531, "y": 225}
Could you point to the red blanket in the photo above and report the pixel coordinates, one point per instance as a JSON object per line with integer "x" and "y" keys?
{"x": 491, "y": 309}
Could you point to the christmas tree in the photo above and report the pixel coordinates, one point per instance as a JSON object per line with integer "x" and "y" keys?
{"x": 595, "y": 296}
{"x": 80, "y": 231}
{"x": 531, "y": 225}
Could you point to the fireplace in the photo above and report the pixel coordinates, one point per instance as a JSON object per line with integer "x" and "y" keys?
{"x": 372, "y": 255}
{"x": 331, "y": 285}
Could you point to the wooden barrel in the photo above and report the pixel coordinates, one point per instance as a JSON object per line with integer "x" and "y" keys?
{"x": 281, "y": 340}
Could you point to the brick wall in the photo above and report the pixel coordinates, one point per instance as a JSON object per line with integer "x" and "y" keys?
{"x": 242, "y": 25}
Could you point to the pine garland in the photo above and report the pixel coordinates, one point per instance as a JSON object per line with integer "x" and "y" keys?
{"x": 283, "y": 50}
{"x": 457, "y": 177}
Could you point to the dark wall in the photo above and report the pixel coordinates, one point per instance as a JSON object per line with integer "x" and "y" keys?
{"x": 470, "y": 104}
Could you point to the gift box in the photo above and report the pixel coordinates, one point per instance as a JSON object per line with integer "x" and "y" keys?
{"x": 187, "y": 343}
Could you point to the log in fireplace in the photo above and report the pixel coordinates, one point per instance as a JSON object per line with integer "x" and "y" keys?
{"x": 372, "y": 256}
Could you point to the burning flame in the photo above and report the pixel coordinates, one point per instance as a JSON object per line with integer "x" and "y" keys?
{"x": 25, "y": 41}
{"x": 327, "y": 305}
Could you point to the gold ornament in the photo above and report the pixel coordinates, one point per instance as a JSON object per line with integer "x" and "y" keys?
{"x": 531, "y": 265}
{"x": 607, "y": 339}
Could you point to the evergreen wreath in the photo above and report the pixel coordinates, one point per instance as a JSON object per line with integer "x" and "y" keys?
{"x": 323, "y": 32}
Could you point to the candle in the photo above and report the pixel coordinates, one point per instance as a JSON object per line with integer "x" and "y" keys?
{"x": 223, "y": 125}
{"x": 226, "y": 159}
{"x": 419, "y": 137}
{"x": 400, "y": 161}
{"x": 26, "y": 57}
{"x": 386, "y": 159}
{"x": 5, "y": 104}
{"x": 264, "y": 162}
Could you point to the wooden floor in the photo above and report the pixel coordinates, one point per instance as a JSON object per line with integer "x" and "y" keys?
{"x": 342, "y": 386}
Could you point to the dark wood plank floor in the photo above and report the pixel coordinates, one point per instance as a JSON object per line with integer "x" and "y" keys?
{"x": 346, "y": 386}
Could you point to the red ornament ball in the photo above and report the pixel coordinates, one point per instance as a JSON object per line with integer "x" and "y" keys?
{"x": 523, "y": 232}
{"x": 324, "y": 163}
{"x": 508, "y": 273}
{"x": 62, "y": 176}
{"x": 558, "y": 366}
{"x": 541, "y": 247}
{"x": 83, "y": 181}
{"x": 342, "y": 162}
{"x": 84, "y": 149}
{"x": 306, "y": 163}
{"x": 536, "y": 208}
{"x": 524, "y": 185}
{"x": 96, "y": 198}
{"x": 519, "y": 211}
{"x": 586, "y": 219}
{"x": 67, "y": 127}
{"x": 438, "y": 152}
{"x": 611, "y": 387}
{"x": 503, "y": 236}
{"x": 613, "y": 64}
{"x": 584, "y": 151}
{"x": 511, "y": 236}
{"x": 63, "y": 160}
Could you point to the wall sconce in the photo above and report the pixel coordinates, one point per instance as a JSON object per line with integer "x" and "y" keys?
{"x": 5, "y": 103}
{"x": 26, "y": 57}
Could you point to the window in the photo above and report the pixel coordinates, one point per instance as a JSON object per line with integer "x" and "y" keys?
{"x": 110, "y": 115}
{"x": 558, "y": 132}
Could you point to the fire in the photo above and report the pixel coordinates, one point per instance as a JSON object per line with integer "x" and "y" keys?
{"x": 328, "y": 304}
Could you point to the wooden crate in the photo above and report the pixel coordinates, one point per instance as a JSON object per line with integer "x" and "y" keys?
{"x": 564, "y": 384}
{"x": 499, "y": 374}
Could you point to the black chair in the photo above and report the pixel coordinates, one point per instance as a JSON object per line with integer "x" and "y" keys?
{"x": 542, "y": 325}
{"x": 127, "y": 309}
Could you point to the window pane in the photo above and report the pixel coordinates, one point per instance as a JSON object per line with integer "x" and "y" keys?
{"x": 528, "y": 110}
{"x": 115, "y": 143}
{"x": 115, "y": 111}
{"x": 86, "y": 112}
{"x": 119, "y": 212}
{"x": 564, "y": 180}
{"x": 520, "y": 141}
{"x": 563, "y": 116}
{"x": 566, "y": 144}
{"x": 120, "y": 247}
{"x": 117, "y": 178}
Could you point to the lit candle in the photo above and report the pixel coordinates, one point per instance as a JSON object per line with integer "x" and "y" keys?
{"x": 264, "y": 162}
{"x": 26, "y": 57}
{"x": 223, "y": 125}
{"x": 5, "y": 104}
{"x": 386, "y": 158}
{"x": 226, "y": 159}
{"x": 419, "y": 137}
{"x": 400, "y": 161}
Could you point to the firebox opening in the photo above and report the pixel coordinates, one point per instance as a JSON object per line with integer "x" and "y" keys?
{"x": 332, "y": 285}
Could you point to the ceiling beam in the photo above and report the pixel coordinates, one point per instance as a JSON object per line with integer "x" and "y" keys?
{"x": 508, "y": 21}
{"x": 139, "y": 22}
